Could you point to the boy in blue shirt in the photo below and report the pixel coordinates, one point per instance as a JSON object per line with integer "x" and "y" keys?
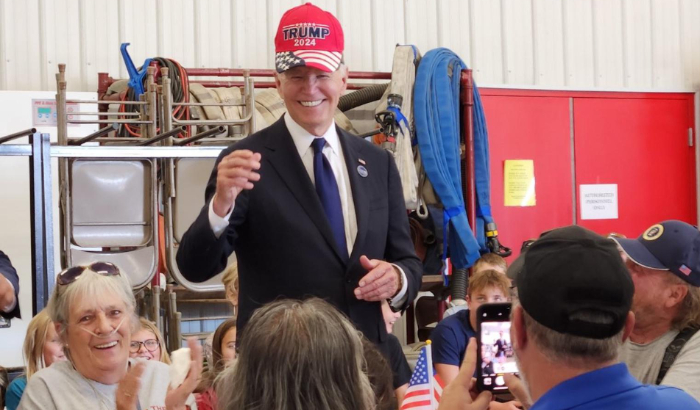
{"x": 451, "y": 336}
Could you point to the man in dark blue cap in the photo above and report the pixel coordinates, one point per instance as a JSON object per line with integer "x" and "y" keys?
{"x": 572, "y": 316}
{"x": 664, "y": 346}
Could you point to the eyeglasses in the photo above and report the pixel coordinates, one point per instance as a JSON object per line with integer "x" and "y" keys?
{"x": 151, "y": 345}
{"x": 69, "y": 275}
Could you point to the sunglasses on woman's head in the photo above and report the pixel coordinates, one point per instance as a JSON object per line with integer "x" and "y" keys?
{"x": 69, "y": 275}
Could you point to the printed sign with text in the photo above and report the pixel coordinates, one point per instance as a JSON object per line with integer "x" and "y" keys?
{"x": 598, "y": 201}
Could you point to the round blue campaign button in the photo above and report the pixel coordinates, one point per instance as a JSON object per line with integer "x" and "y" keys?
{"x": 362, "y": 171}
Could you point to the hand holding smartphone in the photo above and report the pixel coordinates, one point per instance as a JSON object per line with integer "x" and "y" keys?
{"x": 495, "y": 350}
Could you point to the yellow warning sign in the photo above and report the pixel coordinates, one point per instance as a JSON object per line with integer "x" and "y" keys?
{"x": 519, "y": 182}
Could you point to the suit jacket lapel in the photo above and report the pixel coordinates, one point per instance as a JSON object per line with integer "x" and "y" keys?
{"x": 352, "y": 148}
{"x": 283, "y": 156}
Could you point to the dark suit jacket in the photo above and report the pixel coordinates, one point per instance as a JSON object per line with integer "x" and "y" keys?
{"x": 9, "y": 272}
{"x": 282, "y": 238}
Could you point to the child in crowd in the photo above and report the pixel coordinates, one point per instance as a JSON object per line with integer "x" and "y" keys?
{"x": 223, "y": 353}
{"x": 230, "y": 282}
{"x": 147, "y": 343}
{"x": 42, "y": 347}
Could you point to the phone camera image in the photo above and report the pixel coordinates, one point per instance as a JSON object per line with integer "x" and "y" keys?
{"x": 496, "y": 355}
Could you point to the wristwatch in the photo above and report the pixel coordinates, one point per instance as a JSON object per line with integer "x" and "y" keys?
{"x": 398, "y": 272}
{"x": 388, "y": 301}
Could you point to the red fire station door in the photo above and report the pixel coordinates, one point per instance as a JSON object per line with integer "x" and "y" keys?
{"x": 638, "y": 142}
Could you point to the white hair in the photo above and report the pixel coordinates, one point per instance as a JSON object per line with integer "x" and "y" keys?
{"x": 90, "y": 286}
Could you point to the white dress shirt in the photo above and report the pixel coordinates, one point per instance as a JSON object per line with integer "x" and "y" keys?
{"x": 334, "y": 153}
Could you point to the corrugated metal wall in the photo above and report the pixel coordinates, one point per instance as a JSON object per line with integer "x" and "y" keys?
{"x": 631, "y": 44}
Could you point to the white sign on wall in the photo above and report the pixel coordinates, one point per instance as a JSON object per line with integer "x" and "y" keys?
{"x": 598, "y": 201}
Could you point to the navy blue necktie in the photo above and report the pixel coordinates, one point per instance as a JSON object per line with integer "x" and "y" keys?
{"x": 327, "y": 190}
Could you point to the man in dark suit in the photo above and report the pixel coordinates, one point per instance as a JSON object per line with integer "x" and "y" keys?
{"x": 309, "y": 209}
{"x": 9, "y": 288}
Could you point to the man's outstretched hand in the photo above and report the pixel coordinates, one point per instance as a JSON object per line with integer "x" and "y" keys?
{"x": 381, "y": 281}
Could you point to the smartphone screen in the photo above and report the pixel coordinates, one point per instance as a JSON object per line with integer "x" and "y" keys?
{"x": 496, "y": 357}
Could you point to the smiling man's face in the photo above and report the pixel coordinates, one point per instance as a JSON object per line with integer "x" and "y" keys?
{"x": 311, "y": 95}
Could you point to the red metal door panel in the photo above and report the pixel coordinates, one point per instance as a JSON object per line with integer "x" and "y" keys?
{"x": 641, "y": 144}
{"x": 537, "y": 128}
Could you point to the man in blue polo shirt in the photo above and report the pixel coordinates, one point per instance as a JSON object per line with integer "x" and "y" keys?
{"x": 572, "y": 318}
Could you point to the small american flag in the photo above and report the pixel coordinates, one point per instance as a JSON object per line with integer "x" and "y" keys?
{"x": 685, "y": 270}
{"x": 425, "y": 387}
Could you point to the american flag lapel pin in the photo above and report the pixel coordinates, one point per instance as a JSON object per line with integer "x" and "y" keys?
{"x": 361, "y": 168}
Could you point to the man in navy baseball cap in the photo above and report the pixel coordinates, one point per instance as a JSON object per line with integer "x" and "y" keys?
{"x": 664, "y": 347}
{"x": 667, "y": 246}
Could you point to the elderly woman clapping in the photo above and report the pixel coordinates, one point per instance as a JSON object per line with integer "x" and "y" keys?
{"x": 93, "y": 309}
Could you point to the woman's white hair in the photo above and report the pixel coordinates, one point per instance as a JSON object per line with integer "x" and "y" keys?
{"x": 90, "y": 286}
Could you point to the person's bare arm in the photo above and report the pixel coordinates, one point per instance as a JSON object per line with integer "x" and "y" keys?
{"x": 9, "y": 287}
{"x": 7, "y": 295}
{"x": 447, "y": 372}
{"x": 400, "y": 393}
{"x": 458, "y": 394}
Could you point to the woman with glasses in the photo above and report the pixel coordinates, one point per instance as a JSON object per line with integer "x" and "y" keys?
{"x": 147, "y": 343}
{"x": 42, "y": 347}
{"x": 93, "y": 309}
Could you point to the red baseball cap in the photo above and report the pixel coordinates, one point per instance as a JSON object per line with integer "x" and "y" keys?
{"x": 309, "y": 36}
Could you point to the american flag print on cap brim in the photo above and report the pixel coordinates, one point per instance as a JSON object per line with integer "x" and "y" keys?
{"x": 328, "y": 61}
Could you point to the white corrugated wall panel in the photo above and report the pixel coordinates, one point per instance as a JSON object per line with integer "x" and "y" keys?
{"x": 357, "y": 25}
{"x": 578, "y": 43}
{"x": 665, "y": 44}
{"x": 690, "y": 42}
{"x": 251, "y": 35}
{"x": 666, "y": 59}
{"x": 517, "y": 39}
{"x": 388, "y": 30}
{"x": 596, "y": 44}
{"x": 178, "y": 31}
{"x": 487, "y": 44}
{"x": 21, "y": 35}
{"x": 98, "y": 54}
{"x": 421, "y": 24}
{"x": 548, "y": 42}
{"x": 63, "y": 43}
{"x": 218, "y": 24}
{"x": 637, "y": 43}
{"x": 607, "y": 43}
{"x": 455, "y": 28}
